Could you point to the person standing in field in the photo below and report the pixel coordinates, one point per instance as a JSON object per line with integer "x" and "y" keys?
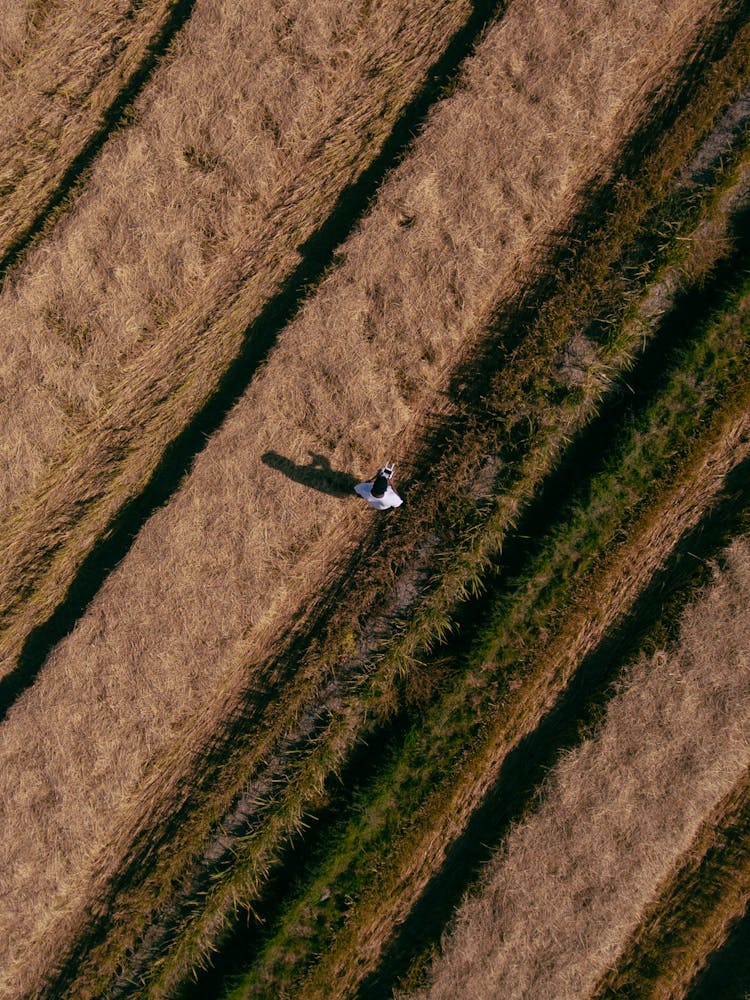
{"x": 379, "y": 491}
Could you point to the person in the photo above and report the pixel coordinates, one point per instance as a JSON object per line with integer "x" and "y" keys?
{"x": 379, "y": 491}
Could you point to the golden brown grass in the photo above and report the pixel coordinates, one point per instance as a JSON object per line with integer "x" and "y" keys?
{"x": 617, "y": 813}
{"x": 213, "y": 577}
{"x": 65, "y": 64}
{"x": 695, "y": 912}
{"x": 124, "y": 319}
{"x": 21, "y": 22}
{"x": 626, "y": 570}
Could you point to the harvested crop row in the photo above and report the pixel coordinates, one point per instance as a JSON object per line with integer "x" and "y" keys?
{"x": 521, "y": 658}
{"x": 263, "y": 806}
{"x": 616, "y": 815}
{"x": 122, "y": 324}
{"x": 78, "y": 63}
{"x": 214, "y": 577}
{"x": 691, "y": 919}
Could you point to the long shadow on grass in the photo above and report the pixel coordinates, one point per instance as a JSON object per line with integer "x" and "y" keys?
{"x": 317, "y": 255}
{"x": 527, "y": 764}
{"x": 577, "y": 710}
{"x": 113, "y": 116}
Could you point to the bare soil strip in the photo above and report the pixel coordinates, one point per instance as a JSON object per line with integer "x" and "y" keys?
{"x": 615, "y": 816}
{"x": 705, "y": 896}
{"x": 175, "y": 261}
{"x": 176, "y": 622}
{"x": 87, "y": 63}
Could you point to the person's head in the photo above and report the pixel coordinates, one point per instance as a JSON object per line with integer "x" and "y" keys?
{"x": 380, "y": 485}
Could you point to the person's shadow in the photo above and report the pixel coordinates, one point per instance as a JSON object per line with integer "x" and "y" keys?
{"x": 318, "y": 474}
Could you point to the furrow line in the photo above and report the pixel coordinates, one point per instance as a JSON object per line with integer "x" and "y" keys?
{"x": 43, "y": 159}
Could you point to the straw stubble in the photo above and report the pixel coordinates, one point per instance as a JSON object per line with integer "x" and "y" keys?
{"x": 215, "y": 576}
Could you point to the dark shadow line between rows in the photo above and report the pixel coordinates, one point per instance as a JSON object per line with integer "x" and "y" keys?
{"x": 583, "y": 458}
{"x": 648, "y": 133}
{"x": 726, "y": 974}
{"x": 113, "y": 116}
{"x": 317, "y": 254}
{"x": 528, "y": 764}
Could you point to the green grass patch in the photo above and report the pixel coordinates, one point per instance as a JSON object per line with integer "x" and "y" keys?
{"x": 363, "y": 857}
{"x": 526, "y": 415}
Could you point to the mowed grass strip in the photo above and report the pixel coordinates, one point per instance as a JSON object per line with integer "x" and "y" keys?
{"x": 677, "y": 216}
{"x": 615, "y": 816}
{"x": 461, "y": 573}
{"x": 70, "y": 68}
{"x": 163, "y": 652}
{"x": 697, "y": 907}
{"x": 120, "y": 325}
{"x": 159, "y": 656}
{"x": 400, "y": 832}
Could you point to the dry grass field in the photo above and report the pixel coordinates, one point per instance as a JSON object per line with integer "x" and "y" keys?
{"x": 192, "y": 219}
{"x": 691, "y": 922}
{"x": 616, "y": 814}
{"x": 127, "y": 313}
{"x": 307, "y": 793}
{"x": 523, "y": 666}
{"x": 66, "y": 68}
{"x": 21, "y": 21}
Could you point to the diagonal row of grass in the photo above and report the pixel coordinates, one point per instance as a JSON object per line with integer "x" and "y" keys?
{"x": 695, "y": 909}
{"x": 184, "y": 253}
{"x": 77, "y": 67}
{"x": 560, "y": 416}
{"x": 616, "y": 814}
{"x": 261, "y": 742}
{"x": 178, "y": 611}
{"x": 659, "y": 477}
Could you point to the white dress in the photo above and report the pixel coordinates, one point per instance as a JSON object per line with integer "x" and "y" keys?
{"x": 389, "y": 499}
